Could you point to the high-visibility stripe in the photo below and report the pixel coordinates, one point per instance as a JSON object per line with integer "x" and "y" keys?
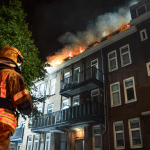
{"x": 3, "y": 86}
{"x": 7, "y": 121}
{"x": 20, "y": 94}
{"x": 8, "y": 115}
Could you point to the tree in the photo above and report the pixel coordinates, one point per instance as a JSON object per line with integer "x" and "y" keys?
{"x": 14, "y": 32}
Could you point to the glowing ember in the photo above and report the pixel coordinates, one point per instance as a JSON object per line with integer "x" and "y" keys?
{"x": 81, "y": 50}
{"x": 70, "y": 55}
{"x": 122, "y": 28}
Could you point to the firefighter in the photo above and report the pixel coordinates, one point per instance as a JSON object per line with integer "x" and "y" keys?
{"x": 13, "y": 93}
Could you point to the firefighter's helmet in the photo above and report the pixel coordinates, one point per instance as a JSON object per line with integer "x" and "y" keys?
{"x": 13, "y": 54}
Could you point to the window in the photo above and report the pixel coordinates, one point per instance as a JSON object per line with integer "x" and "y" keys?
{"x": 141, "y": 10}
{"x": 36, "y": 142}
{"x": 42, "y": 90}
{"x": 115, "y": 94}
{"x": 76, "y": 100}
{"x": 112, "y": 61}
{"x": 125, "y": 55}
{"x": 129, "y": 90}
{"x": 47, "y": 141}
{"x": 97, "y": 137}
{"x": 135, "y": 133}
{"x": 39, "y": 109}
{"x": 76, "y": 75}
{"x": 66, "y": 77}
{"x": 94, "y": 63}
{"x": 95, "y": 95}
{"x": 143, "y": 35}
{"x": 47, "y": 86}
{"x": 52, "y": 86}
{"x": 148, "y": 68}
{"x": 50, "y": 108}
{"x": 65, "y": 103}
{"x": 29, "y": 141}
{"x": 118, "y": 135}
{"x": 36, "y": 90}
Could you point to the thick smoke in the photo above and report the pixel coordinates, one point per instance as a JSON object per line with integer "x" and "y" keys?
{"x": 103, "y": 26}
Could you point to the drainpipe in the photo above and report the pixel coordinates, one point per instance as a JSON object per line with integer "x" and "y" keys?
{"x": 105, "y": 99}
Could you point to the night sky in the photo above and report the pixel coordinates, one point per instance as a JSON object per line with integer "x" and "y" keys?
{"x": 50, "y": 19}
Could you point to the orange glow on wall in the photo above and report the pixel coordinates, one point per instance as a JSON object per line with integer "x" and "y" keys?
{"x": 80, "y": 134}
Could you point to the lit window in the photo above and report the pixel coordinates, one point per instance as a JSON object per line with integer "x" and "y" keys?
{"x": 112, "y": 61}
{"x": 76, "y": 75}
{"x": 141, "y": 10}
{"x": 125, "y": 55}
{"x": 148, "y": 68}
{"x": 29, "y": 141}
{"x": 47, "y": 141}
{"x": 76, "y": 100}
{"x": 118, "y": 135}
{"x": 135, "y": 133}
{"x": 143, "y": 35}
{"x": 129, "y": 90}
{"x": 97, "y": 137}
{"x": 52, "y": 86}
{"x": 36, "y": 142}
{"x": 50, "y": 108}
{"x": 115, "y": 94}
{"x": 95, "y": 95}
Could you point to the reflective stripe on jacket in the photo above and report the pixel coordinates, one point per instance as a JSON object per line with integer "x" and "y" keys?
{"x": 12, "y": 84}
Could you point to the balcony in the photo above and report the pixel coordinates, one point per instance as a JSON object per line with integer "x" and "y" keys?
{"x": 83, "y": 81}
{"x": 74, "y": 116}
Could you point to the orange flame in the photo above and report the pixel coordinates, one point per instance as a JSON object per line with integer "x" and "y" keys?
{"x": 122, "y": 28}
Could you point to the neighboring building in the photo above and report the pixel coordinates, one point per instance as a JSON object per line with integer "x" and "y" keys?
{"x": 99, "y": 100}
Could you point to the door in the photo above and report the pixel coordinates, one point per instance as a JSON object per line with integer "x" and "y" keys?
{"x": 79, "y": 145}
{"x": 63, "y": 145}
{"x": 76, "y": 75}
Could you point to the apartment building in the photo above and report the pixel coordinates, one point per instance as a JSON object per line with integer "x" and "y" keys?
{"x": 99, "y": 99}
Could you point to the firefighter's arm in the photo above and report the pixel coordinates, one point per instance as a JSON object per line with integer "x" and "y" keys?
{"x": 21, "y": 97}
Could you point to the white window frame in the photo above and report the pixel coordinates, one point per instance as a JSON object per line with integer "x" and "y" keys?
{"x": 51, "y": 86}
{"x": 43, "y": 84}
{"x": 115, "y": 132}
{"x": 111, "y": 94}
{"x": 50, "y": 109}
{"x": 36, "y": 141}
{"x": 125, "y": 90}
{"x": 112, "y": 59}
{"x": 68, "y": 78}
{"x": 148, "y": 68}
{"x": 140, "y": 7}
{"x": 96, "y": 64}
{"x": 47, "y": 87}
{"x": 65, "y": 107}
{"x": 94, "y": 135}
{"x": 49, "y": 140}
{"x": 77, "y": 74}
{"x": 77, "y": 96}
{"x": 36, "y": 93}
{"x": 125, "y": 53}
{"x": 142, "y": 38}
{"x": 95, "y": 95}
{"x": 29, "y": 142}
{"x": 130, "y": 134}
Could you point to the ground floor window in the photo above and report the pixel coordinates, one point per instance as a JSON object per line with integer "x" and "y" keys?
{"x": 29, "y": 141}
{"x": 47, "y": 141}
{"x": 97, "y": 139}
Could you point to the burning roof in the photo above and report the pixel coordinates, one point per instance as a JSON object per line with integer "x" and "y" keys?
{"x": 60, "y": 58}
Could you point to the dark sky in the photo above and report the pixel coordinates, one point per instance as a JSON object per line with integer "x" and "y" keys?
{"x": 49, "y": 19}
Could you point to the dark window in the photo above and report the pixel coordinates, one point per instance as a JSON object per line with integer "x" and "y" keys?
{"x": 141, "y": 10}
{"x": 130, "y": 93}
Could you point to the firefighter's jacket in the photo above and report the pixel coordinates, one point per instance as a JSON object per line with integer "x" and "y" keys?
{"x": 12, "y": 85}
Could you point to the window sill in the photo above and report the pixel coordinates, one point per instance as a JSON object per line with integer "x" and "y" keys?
{"x": 146, "y": 40}
{"x": 136, "y": 147}
{"x": 119, "y": 148}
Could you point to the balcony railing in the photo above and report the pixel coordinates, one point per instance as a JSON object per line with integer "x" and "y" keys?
{"x": 80, "y": 82}
{"x": 89, "y": 112}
